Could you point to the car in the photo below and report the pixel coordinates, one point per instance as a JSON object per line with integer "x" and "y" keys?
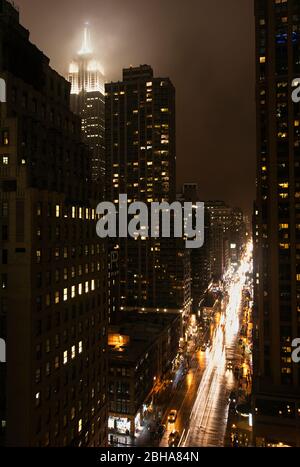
{"x": 172, "y": 416}
{"x": 233, "y": 397}
{"x": 229, "y": 365}
{"x": 161, "y": 430}
{"x": 174, "y": 439}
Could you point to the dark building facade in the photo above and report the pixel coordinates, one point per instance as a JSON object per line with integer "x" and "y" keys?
{"x": 140, "y": 162}
{"x": 143, "y": 347}
{"x": 53, "y": 284}
{"x": 276, "y": 402}
{"x": 227, "y": 234}
{"x": 220, "y": 221}
{"x": 200, "y": 258}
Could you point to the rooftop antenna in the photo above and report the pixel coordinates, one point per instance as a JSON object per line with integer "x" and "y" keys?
{"x": 86, "y": 47}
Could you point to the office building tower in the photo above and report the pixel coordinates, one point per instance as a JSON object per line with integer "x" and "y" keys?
{"x": 200, "y": 264}
{"x": 140, "y": 162}
{"x": 276, "y": 402}
{"x": 227, "y": 235}
{"x": 220, "y": 224}
{"x": 53, "y": 284}
{"x": 87, "y": 100}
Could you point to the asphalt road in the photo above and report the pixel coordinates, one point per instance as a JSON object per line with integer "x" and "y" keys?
{"x": 202, "y": 398}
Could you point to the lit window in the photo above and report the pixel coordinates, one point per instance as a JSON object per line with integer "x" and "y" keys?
{"x": 5, "y": 136}
{"x": 39, "y": 209}
{"x": 73, "y": 293}
{"x": 65, "y": 295}
{"x": 80, "y": 426}
{"x": 5, "y": 160}
{"x": 38, "y": 256}
{"x": 80, "y": 347}
{"x": 65, "y": 357}
{"x": 57, "y": 210}
{"x": 73, "y": 352}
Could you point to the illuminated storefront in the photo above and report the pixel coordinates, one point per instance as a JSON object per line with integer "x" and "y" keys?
{"x": 119, "y": 424}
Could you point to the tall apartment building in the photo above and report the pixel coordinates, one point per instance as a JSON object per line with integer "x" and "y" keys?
{"x": 53, "y": 292}
{"x": 220, "y": 222}
{"x": 277, "y": 225}
{"x": 87, "y": 100}
{"x": 173, "y": 280}
{"x": 140, "y": 161}
{"x": 227, "y": 236}
{"x": 200, "y": 258}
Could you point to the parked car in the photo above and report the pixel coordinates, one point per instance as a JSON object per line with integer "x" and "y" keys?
{"x": 174, "y": 439}
{"x": 233, "y": 397}
{"x": 172, "y": 416}
{"x": 229, "y": 365}
{"x": 161, "y": 429}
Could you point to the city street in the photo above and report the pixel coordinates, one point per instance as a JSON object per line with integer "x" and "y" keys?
{"x": 202, "y": 400}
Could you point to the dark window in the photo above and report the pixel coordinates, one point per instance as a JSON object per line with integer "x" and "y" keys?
{"x": 5, "y": 232}
{"x": 4, "y": 256}
{"x": 9, "y": 185}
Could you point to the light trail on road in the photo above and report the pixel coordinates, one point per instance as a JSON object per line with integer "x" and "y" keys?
{"x": 209, "y": 415}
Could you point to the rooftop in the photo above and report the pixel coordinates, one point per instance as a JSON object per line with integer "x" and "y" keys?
{"x": 143, "y": 329}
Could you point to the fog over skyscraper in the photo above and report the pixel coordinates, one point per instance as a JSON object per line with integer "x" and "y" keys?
{"x": 87, "y": 100}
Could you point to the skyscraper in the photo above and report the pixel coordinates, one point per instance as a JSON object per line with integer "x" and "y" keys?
{"x": 200, "y": 258}
{"x": 140, "y": 161}
{"x": 87, "y": 100}
{"x": 277, "y": 225}
{"x": 226, "y": 229}
{"x": 53, "y": 301}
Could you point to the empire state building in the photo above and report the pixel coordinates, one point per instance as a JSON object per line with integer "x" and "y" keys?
{"x": 87, "y": 100}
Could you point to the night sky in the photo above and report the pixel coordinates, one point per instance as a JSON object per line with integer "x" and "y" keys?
{"x": 205, "y": 46}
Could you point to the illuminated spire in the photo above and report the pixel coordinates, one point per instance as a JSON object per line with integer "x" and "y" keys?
{"x": 86, "y": 47}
